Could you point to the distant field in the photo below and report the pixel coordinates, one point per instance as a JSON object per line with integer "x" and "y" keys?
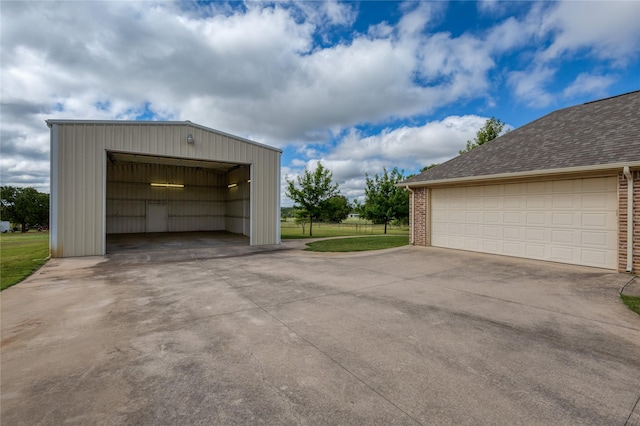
{"x": 348, "y": 228}
{"x": 20, "y": 255}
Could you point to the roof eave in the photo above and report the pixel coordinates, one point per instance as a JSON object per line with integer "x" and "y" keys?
{"x": 50, "y": 122}
{"x": 526, "y": 174}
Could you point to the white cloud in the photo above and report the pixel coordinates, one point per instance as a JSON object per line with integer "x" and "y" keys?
{"x": 339, "y": 13}
{"x": 410, "y": 147}
{"x": 530, "y": 86}
{"x": 407, "y": 148}
{"x": 256, "y": 70}
{"x": 588, "y": 84}
{"x": 607, "y": 29}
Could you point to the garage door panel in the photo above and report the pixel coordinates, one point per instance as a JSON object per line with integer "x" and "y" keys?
{"x": 593, "y": 238}
{"x": 472, "y": 230}
{"x": 491, "y": 246}
{"x": 491, "y": 217}
{"x": 512, "y": 249}
{"x": 492, "y": 232}
{"x": 564, "y": 201}
{"x": 456, "y": 228}
{"x": 491, "y": 203}
{"x": 595, "y": 185}
{"x": 439, "y": 216}
{"x": 594, "y": 257}
{"x": 514, "y": 189}
{"x": 536, "y": 202}
{"x": 535, "y": 251}
{"x": 473, "y": 203}
{"x": 535, "y": 218}
{"x": 570, "y": 221}
{"x": 594, "y": 220}
{"x": 594, "y": 201}
{"x": 472, "y": 217}
{"x": 456, "y": 203}
{"x": 563, "y": 254}
{"x": 490, "y": 190}
{"x": 473, "y": 244}
{"x": 513, "y": 202}
{"x": 536, "y": 187}
{"x": 456, "y": 216}
{"x": 514, "y": 218}
{"x": 564, "y": 236}
{"x": 564, "y": 186}
{"x": 512, "y": 233}
{"x": 455, "y": 242}
{"x": 456, "y": 192}
{"x": 438, "y": 229}
{"x": 536, "y": 234}
{"x": 565, "y": 219}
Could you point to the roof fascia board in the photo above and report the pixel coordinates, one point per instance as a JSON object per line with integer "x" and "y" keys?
{"x": 527, "y": 174}
{"x": 170, "y": 123}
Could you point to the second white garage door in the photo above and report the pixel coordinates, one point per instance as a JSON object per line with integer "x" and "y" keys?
{"x": 569, "y": 221}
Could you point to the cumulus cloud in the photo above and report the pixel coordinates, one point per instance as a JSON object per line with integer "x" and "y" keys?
{"x": 608, "y": 30}
{"x": 530, "y": 86}
{"x": 589, "y": 84}
{"x": 406, "y": 147}
{"x": 411, "y": 147}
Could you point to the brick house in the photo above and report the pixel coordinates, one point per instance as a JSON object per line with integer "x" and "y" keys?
{"x": 563, "y": 188}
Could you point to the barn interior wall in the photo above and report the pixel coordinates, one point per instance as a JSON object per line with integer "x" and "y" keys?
{"x": 238, "y": 208}
{"x": 198, "y": 206}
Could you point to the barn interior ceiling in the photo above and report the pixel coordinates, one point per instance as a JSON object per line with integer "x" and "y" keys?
{"x": 119, "y": 158}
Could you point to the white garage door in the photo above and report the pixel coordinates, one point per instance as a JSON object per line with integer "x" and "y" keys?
{"x": 569, "y": 221}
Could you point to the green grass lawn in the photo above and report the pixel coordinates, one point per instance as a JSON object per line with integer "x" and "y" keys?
{"x": 633, "y": 302}
{"x": 20, "y": 255}
{"x": 289, "y": 230}
{"x": 358, "y": 244}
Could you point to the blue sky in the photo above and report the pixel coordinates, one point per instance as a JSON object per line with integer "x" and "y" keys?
{"x": 357, "y": 85}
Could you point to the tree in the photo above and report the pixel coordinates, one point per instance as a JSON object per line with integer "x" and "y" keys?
{"x": 25, "y": 206}
{"x": 313, "y": 189}
{"x": 287, "y": 212}
{"x": 430, "y": 166}
{"x": 301, "y": 217}
{"x": 491, "y": 130}
{"x": 384, "y": 201}
{"x": 336, "y": 209}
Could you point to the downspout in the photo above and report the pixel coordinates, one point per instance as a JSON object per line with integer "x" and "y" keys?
{"x": 412, "y": 215}
{"x": 627, "y": 174}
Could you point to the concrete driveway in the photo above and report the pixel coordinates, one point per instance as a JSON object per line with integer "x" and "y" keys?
{"x": 404, "y": 336}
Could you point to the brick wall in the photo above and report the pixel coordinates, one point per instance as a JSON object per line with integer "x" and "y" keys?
{"x": 420, "y": 218}
{"x": 622, "y": 221}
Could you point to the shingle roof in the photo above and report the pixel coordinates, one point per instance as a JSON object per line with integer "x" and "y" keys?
{"x": 601, "y": 132}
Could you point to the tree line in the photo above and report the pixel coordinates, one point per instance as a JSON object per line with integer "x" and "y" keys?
{"x": 24, "y": 206}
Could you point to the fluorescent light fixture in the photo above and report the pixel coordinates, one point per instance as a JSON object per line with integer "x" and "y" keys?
{"x": 232, "y": 185}
{"x": 168, "y": 185}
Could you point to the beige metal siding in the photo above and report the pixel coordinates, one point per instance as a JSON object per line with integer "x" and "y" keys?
{"x": 80, "y": 173}
{"x": 265, "y": 196}
{"x": 237, "y": 211}
{"x": 79, "y": 176}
